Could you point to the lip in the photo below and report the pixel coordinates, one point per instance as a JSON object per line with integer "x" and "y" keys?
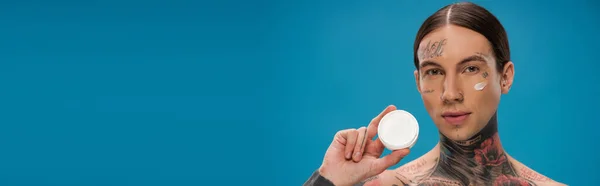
{"x": 455, "y": 118}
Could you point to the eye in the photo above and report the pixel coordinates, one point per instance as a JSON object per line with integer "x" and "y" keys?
{"x": 471, "y": 69}
{"x": 433, "y": 72}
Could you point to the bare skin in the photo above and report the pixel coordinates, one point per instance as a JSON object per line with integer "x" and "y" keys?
{"x": 418, "y": 171}
{"x": 452, "y": 60}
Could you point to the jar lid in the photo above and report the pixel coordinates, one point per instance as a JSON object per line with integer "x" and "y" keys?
{"x": 398, "y": 129}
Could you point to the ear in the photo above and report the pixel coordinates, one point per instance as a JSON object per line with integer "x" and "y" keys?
{"x": 507, "y": 77}
{"x": 417, "y": 81}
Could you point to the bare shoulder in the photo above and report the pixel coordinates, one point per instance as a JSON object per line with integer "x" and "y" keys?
{"x": 414, "y": 171}
{"x": 533, "y": 176}
{"x": 409, "y": 173}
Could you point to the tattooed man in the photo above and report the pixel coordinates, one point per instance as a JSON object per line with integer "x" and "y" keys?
{"x": 463, "y": 65}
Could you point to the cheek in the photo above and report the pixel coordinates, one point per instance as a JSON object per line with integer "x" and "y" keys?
{"x": 485, "y": 101}
{"x": 473, "y": 84}
{"x": 491, "y": 92}
{"x": 492, "y": 95}
{"x": 431, "y": 85}
{"x": 429, "y": 101}
{"x": 431, "y": 90}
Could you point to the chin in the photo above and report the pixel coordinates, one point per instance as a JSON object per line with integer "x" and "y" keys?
{"x": 458, "y": 134}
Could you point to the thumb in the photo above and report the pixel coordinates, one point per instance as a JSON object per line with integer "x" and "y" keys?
{"x": 389, "y": 160}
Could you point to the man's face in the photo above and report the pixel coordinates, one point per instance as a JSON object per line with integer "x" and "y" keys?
{"x": 455, "y": 63}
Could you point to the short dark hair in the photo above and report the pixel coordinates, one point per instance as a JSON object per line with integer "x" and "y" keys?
{"x": 473, "y": 17}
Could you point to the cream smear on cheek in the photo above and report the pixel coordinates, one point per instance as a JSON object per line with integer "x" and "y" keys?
{"x": 480, "y": 86}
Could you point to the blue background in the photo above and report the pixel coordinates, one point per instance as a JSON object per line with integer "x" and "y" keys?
{"x": 251, "y": 92}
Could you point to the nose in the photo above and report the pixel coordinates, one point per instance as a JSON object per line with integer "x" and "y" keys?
{"x": 452, "y": 92}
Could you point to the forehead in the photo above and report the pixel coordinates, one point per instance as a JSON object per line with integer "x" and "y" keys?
{"x": 453, "y": 43}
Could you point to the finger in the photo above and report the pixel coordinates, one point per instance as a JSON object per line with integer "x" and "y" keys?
{"x": 389, "y": 160}
{"x": 360, "y": 144}
{"x": 340, "y": 138}
{"x": 350, "y": 143}
{"x": 375, "y": 148}
{"x": 372, "y": 128}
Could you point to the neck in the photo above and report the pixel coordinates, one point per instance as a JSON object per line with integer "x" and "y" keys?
{"x": 477, "y": 160}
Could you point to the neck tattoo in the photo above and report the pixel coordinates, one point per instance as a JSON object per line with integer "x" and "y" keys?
{"x": 479, "y": 160}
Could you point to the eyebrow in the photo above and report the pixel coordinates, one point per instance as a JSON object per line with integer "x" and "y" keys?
{"x": 471, "y": 58}
{"x": 429, "y": 63}
{"x": 463, "y": 61}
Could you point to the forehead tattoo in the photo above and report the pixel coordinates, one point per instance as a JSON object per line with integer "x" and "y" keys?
{"x": 432, "y": 50}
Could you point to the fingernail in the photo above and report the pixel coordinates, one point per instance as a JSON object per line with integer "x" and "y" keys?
{"x": 357, "y": 154}
{"x": 348, "y": 155}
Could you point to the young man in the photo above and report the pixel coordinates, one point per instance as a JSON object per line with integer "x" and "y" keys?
{"x": 462, "y": 58}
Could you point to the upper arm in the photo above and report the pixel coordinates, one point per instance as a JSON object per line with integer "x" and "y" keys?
{"x": 409, "y": 173}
